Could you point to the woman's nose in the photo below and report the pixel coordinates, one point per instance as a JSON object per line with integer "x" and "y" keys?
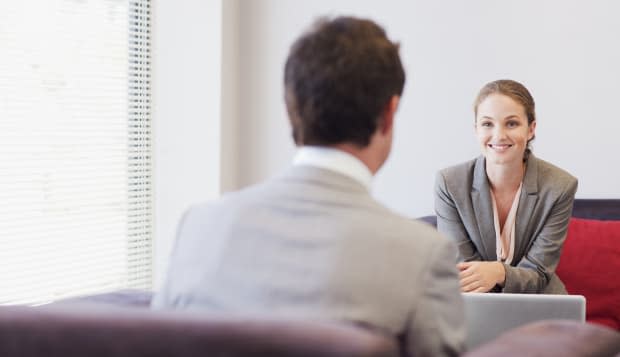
{"x": 499, "y": 132}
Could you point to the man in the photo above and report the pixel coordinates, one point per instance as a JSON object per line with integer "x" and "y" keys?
{"x": 312, "y": 243}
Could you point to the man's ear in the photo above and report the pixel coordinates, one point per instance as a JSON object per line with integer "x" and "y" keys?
{"x": 387, "y": 119}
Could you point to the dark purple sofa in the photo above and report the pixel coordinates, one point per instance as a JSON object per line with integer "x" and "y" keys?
{"x": 120, "y": 324}
{"x": 98, "y": 326}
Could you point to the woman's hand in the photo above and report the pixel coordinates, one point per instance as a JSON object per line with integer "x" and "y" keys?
{"x": 480, "y": 277}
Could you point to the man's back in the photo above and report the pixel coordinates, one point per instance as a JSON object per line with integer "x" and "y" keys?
{"x": 313, "y": 244}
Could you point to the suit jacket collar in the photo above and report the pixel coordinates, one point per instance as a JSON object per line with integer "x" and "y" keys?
{"x": 334, "y": 160}
{"x": 527, "y": 203}
{"x": 324, "y": 177}
{"x": 483, "y": 206}
{"x": 483, "y": 209}
{"x": 530, "y": 181}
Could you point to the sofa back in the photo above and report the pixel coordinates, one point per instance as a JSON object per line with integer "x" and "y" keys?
{"x": 599, "y": 209}
{"x": 92, "y": 330}
{"x": 590, "y": 259}
{"x": 584, "y": 208}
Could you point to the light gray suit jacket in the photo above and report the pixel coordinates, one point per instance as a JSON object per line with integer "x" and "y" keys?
{"x": 314, "y": 244}
{"x": 465, "y": 214}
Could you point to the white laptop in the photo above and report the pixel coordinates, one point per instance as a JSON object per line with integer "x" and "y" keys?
{"x": 488, "y": 315}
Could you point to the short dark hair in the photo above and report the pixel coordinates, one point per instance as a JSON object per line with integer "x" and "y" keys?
{"x": 338, "y": 78}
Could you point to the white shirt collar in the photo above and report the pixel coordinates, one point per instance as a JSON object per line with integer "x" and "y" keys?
{"x": 334, "y": 160}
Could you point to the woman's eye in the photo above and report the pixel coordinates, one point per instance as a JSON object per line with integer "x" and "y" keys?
{"x": 486, "y": 124}
{"x": 512, "y": 124}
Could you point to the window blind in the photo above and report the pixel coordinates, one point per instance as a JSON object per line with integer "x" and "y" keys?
{"x": 75, "y": 148}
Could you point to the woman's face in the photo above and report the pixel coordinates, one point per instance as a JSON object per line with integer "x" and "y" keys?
{"x": 502, "y": 129}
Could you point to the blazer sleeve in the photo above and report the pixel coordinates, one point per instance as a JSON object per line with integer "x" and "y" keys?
{"x": 437, "y": 322}
{"x": 534, "y": 271}
{"x": 449, "y": 221}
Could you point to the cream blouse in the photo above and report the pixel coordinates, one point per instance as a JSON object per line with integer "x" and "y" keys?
{"x": 505, "y": 240}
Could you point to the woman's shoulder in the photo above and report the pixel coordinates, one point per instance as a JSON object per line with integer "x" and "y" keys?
{"x": 551, "y": 172}
{"x": 461, "y": 169}
{"x": 459, "y": 177}
{"x": 554, "y": 179}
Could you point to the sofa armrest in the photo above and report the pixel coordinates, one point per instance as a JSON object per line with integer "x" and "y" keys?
{"x": 100, "y": 330}
{"x": 553, "y": 338}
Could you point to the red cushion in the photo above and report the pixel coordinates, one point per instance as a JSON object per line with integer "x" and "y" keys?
{"x": 590, "y": 266}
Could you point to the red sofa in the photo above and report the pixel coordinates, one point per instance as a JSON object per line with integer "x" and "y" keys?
{"x": 590, "y": 260}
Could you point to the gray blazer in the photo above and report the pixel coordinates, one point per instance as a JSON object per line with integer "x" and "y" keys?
{"x": 314, "y": 244}
{"x": 465, "y": 214}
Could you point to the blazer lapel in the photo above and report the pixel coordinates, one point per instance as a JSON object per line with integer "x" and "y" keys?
{"x": 483, "y": 209}
{"x": 527, "y": 203}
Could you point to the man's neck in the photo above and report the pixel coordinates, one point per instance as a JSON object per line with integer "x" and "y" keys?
{"x": 365, "y": 155}
{"x": 334, "y": 159}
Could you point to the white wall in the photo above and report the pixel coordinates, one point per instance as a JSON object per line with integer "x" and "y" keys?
{"x": 187, "y": 37}
{"x": 220, "y": 122}
{"x": 565, "y": 52}
{"x": 230, "y": 163}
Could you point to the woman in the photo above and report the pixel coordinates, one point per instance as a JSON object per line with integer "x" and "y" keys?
{"x": 507, "y": 210}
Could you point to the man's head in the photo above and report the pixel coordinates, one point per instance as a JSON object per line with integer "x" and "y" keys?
{"x": 340, "y": 78}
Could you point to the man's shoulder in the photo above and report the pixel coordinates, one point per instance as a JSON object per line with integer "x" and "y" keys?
{"x": 409, "y": 230}
{"x": 338, "y": 207}
{"x": 289, "y": 188}
{"x": 227, "y": 202}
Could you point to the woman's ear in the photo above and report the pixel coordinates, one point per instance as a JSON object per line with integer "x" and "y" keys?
{"x": 531, "y": 130}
